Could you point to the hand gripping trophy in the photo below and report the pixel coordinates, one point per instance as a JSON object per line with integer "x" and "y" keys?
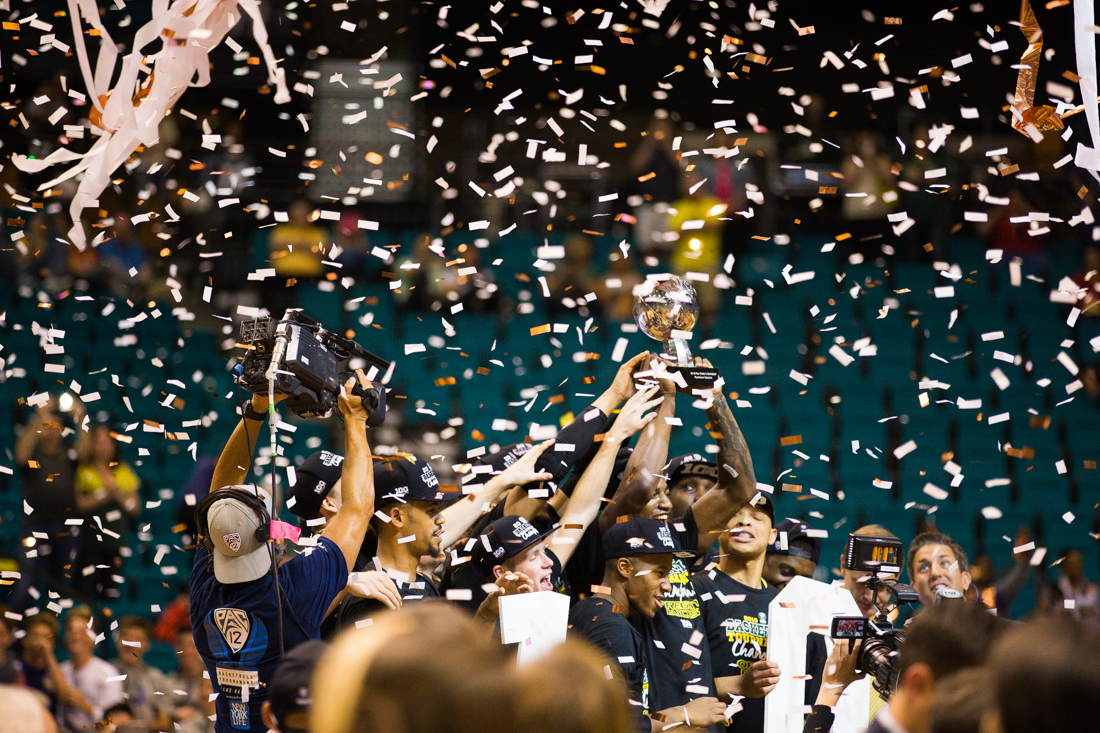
{"x": 666, "y": 308}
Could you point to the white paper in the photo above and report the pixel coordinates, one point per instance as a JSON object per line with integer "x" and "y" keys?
{"x": 536, "y": 621}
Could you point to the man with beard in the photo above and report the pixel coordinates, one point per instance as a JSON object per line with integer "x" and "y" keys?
{"x": 409, "y": 524}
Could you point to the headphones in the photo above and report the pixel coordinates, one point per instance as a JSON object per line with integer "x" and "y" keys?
{"x": 250, "y": 499}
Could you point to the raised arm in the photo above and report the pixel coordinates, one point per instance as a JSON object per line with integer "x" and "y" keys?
{"x": 232, "y": 466}
{"x": 349, "y": 526}
{"x": 461, "y": 515}
{"x": 585, "y": 503}
{"x": 736, "y": 480}
{"x": 640, "y": 479}
{"x": 519, "y": 502}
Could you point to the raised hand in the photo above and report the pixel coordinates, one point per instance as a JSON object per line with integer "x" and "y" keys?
{"x": 376, "y": 585}
{"x": 351, "y": 405}
{"x": 633, "y": 417}
{"x": 523, "y": 471}
{"x": 760, "y": 679}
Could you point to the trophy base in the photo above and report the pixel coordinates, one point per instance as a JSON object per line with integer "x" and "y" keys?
{"x": 698, "y": 376}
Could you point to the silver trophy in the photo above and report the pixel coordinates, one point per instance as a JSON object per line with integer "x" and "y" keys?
{"x": 666, "y": 305}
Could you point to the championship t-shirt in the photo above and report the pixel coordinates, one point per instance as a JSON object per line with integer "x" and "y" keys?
{"x": 736, "y": 621}
{"x": 682, "y": 658}
{"x": 236, "y": 626}
{"x": 354, "y": 608}
{"x": 596, "y": 620}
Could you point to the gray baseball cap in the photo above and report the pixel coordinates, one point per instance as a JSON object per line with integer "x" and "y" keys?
{"x": 240, "y": 556}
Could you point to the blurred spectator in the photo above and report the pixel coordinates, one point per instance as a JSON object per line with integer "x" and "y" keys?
{"x": 573, "y": 279}
{"x": 190, "y": 690}
{"x": 96, "y": 679}
{"x": 38, "y": 662}
{"x": 41, "y": 255}
{"x": 297, "y": 246}
{"x": 732, "y": 181}
{"x": 655, "y": 177}
{"x": 124, "y": 260}
{"x": 119, "y": 718}
{"x": 146, "y": 688}
{"x": 1088, "y": 279}
{"x": 1090, "y": 381}
{"x": 1081, "y": 595}
{"x": 354, "y": 250}
{"x": 363, "y": 681}
{"x": 9, "y": 662}
{"x": 1025, "y": 239}
{"x": 1044, "y": 674}
{"x": 108, "y": 497}
{"x": 24, "y": 712}
{"x": 869, "y": 193}
{"x": 421, "y": 272}
{"x": 923, "y": 207}
{"x": 618, "y": 287}
{"x": 174, "y": 618}
{"x": 695, "y": 218}
{"x": 47, "y": 471}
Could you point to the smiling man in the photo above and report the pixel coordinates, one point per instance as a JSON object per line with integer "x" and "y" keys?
{"x": 639, "y": 554}
{"x": 937, "y": 564}
{"x": 735, "y": 600}
{"x": 409, "y": 524}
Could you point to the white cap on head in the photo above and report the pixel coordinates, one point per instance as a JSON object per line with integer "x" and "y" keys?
{"x": 239, "y": 557}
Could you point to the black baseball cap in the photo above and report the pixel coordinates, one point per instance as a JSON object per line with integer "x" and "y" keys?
{"x": 790, "y": 530}
{"x": 764, "y": 503}
{"x": 690, "y": 464}
{"x": 314, "y": 480}
{"x": 505, "y": 538}
{"x": 640, "y": 536}
{"x": 407, "y": 478}
{"x": 288, "y": 690}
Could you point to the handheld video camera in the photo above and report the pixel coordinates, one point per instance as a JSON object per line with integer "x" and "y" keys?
{"x": 876, "y": 556}
{"x": 306, "y": 359}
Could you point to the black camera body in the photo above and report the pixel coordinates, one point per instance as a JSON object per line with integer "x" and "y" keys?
{"x": 876, "y": 556}
{"x": 308, "y": 368}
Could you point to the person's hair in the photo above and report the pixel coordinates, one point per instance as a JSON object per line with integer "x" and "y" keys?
{"x": 363, "y": 681}
{"x": 567, "y": 691}
{"x": 43, "y": 618}
{"x": 960, "y": 700}
{"x": 8, "y": 622}
{"x": 875, "y": 530}
{"x": 24, "y": 710}
{"x": 118, "y": 707}
{"x": 937, "y": 538}
{"x": 82, "y": 613}
{"x": 949, "y": 637}
{"x": 136, "y": 622}
{"x": 1044, "y": 674}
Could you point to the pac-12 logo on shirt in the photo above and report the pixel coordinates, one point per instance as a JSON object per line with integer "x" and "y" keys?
{"x": 233, "y": 625}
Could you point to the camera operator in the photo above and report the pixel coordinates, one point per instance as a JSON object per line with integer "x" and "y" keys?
{"x": 938, "y": 567}
{"x": 639, "y": 555}
{"x": 941, "y": 641}
{"x": 239, "y": 605}
{"x": 853, "y": 580}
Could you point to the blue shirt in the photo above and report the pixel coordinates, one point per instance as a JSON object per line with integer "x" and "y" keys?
{"x": 236, "y": 626}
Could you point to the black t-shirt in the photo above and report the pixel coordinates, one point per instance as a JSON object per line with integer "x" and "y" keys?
{"x": 585, "y": 568}
{"x": 736, "y": 621}
{"x": 50, "y": 489}
{"x": 354, "y": 608}
{"x": 236, "y": 626}
{"x": 596, "y": 620}
{"x": 676, "y": 636}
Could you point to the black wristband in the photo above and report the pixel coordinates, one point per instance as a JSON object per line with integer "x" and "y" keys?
{"x": 251, "y": 414}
